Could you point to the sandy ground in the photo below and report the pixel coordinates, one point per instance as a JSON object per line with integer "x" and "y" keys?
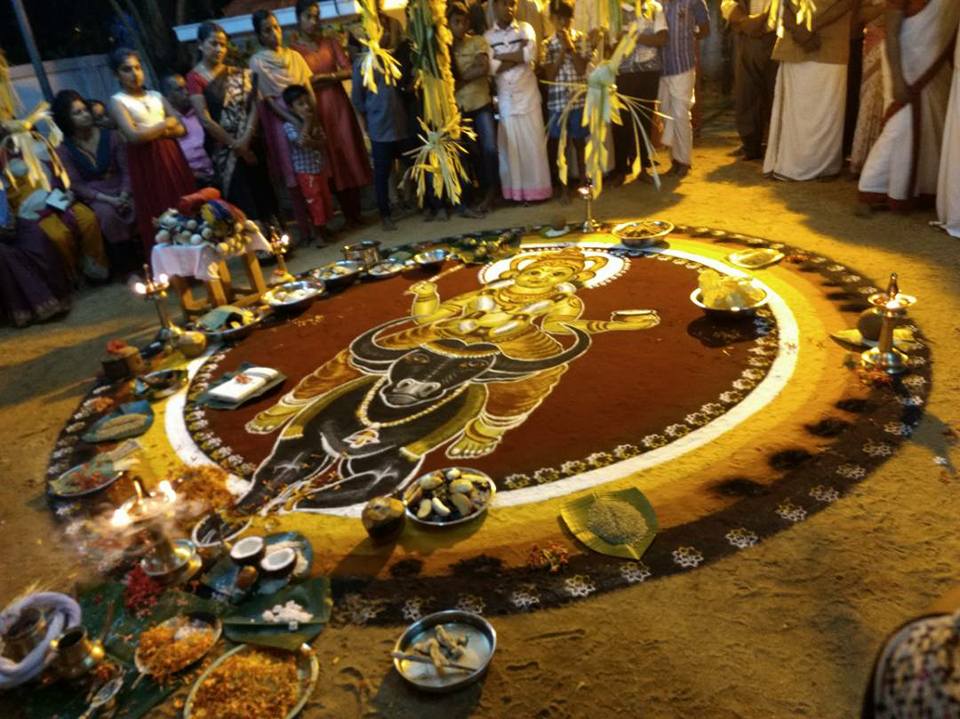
{"x": 788, "y": 628}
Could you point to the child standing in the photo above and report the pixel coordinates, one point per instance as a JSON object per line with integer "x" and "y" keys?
{"x": 566, "y": 56}
{"x": 524, "y": 171}
{"x": 307, "y": 144}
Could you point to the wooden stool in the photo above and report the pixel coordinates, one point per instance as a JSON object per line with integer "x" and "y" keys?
{"x": 220, "y": 290}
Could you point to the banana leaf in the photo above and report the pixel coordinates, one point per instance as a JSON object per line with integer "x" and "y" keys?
{"x": 575, "y": 515}
{"x": 247, "y": 625}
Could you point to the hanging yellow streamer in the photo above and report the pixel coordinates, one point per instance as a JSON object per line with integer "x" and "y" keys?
{"x": 24, "y": 140}
{"x": 603, "y": 105}
{"x": 806, "y": 9}
{"x": 441, "y": 124}
{"x": 377, "y": 58}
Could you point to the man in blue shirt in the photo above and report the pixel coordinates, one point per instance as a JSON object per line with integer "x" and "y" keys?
{"x": 687, "y": 22}
{"x": 388, "y": 118}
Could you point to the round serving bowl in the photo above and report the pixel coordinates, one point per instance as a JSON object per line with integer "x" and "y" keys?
{"x": 309, "y": 290}
{"x": 337, "y": 275}
{"x": 726, "y": 313}
{"x": 414, "y": 494}
{"x": 479, "y": 650}
{"x": 385, "y": 269}
{"x": 642, "y": 233}
{"x": 430, "y": 260}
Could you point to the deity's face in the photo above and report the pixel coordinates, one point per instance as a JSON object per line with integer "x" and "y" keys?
{"x": 544, "y": 275}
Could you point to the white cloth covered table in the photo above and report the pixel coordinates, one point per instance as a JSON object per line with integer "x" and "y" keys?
{"x": 199, "y": 261}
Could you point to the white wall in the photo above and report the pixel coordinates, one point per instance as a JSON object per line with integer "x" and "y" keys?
{"x": 90, "y": 75}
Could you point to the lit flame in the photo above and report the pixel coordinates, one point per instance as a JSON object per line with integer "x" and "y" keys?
{"x": 163, "y": 279}
{"x": 121, "y": 516}
{"x": 140, "y": 288}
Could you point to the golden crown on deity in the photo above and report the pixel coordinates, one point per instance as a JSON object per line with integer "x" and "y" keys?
{"x": 593, "y": 267}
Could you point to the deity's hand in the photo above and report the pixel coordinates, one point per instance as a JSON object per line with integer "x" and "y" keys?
{"x": 424, "y": 288}
{"x": 467, "y": 447}
{"x": 635, "y": 319}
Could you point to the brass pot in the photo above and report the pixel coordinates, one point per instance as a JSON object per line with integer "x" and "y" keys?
{"x": 76, "y": 653}
{"x": 25, "y": 634}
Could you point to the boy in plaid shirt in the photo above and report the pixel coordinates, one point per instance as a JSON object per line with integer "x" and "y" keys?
{"x": 566, "y": 57}
{"x": 308, "y": 155}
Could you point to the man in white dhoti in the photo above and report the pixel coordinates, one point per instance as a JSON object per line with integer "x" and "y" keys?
{"x": 948, "y": 188}
{"x": 687, "y": 21}
{"x": 806, "y": 126}
{"x": 901, "y": 169}
{"x": 524, "y": 171}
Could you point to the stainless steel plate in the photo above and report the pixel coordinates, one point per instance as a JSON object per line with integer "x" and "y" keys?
{"x": 479, "y": 650}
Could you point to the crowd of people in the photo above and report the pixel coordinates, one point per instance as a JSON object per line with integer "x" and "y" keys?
{"x": 282, "y": 133}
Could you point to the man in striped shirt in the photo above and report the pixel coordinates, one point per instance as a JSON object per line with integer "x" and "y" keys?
{"x": 687, "y": 21}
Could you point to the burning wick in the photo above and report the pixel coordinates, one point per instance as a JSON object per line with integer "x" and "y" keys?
{"x": 152, "y": 504}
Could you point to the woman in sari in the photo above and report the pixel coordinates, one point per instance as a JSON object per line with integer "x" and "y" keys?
{"x": 159, "y": 174}
{"x": 96, "y": 161}
{"x": 67, "y": 225}
{"x": 276, "y": 68}
{"x": 33, "y": 282}
{"x": 347, "y": 153}
{"x": 224, "y": 99}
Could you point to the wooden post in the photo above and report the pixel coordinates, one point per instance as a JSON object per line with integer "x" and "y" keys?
{"x": 26, "y": 32}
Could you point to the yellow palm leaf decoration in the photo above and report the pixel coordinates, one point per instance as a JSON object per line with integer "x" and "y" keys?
{"x": 603, "y": 105}
{"x": 24, "y": 138}
{"x": 441, "y": 124}
{"x": 805, "y": 9}
{"x": 377, "y": 59}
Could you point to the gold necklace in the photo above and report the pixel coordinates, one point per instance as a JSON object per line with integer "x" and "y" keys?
{"x": 365, "y": 406}
{"x": 522, "y": 297}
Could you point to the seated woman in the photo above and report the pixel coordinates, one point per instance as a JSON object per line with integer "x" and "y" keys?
{"x": 33, "y": 281}
{"x": 71, "y": 226}
{"x": 96, "y": 161}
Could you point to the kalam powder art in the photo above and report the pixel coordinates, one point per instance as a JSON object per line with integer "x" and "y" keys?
{"x": 565, "y": 369}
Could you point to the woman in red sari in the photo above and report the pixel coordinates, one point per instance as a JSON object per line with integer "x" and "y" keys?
{"x": 159, "y": 174}
{"x": 349, "y": 163}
